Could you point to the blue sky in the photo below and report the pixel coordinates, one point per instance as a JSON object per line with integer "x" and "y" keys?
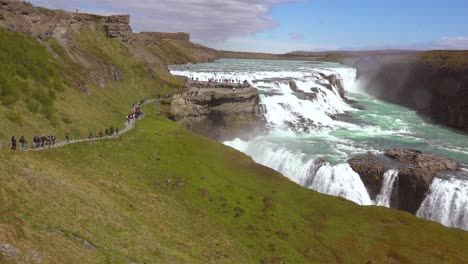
{"x": 287, "y": 25}
{"x": 371, "y": 23}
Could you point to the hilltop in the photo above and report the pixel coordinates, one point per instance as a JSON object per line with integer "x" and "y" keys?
{"x": 160, "y": 193}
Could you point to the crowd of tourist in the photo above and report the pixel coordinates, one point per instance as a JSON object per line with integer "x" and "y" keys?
{"x": 43, "y": 142}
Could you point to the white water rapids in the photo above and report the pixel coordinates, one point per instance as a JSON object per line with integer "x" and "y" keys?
{"x": 312, "y": 133}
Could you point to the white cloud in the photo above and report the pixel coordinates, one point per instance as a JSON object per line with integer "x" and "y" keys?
{"x": 206, "y": 20}
{"x": 451, "y": 43}
{"x": 252, "y": 44}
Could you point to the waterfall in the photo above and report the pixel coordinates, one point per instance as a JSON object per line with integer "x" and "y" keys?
{"x": 340, "y": 180}
{"x": 311, "y": 131}
{"x": 383, "y": 199}
{"x": 447, "y": 202}
{"x": 337, "y": 180}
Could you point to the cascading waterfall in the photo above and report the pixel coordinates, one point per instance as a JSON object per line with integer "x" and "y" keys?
{"x": 312, "y": 131}
{"x": 338, "y": 180}
{"x": 383, "y": 199}
{"x": 447, "y": 202}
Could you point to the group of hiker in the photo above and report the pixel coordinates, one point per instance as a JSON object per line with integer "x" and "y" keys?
{"x": 38, "y": 142}
{"x": 41, "y": 142}
{"x": 137, "y": 113}
{"x": 109, "y": 132}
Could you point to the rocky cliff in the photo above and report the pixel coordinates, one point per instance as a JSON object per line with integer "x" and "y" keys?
{"x": 219, "y": 113}
{"x": 434, "y": 83}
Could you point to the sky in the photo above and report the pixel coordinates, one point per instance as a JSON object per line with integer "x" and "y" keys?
{"x": 279, "y": 26}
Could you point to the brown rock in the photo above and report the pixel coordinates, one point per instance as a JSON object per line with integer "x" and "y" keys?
{"x": 371, "y": 169}
{"x": 415, "y": 179}
{"x": 293, "y": 86}
{"x": 416, "y": 173}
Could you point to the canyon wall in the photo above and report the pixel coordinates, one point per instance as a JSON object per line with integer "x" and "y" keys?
{"x": 433, "y": 83}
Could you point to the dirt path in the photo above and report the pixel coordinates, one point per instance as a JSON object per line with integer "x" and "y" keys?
{"x": 128, "y": 127}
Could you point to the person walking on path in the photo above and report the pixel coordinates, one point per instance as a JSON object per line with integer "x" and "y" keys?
{"x": 23, "y": 143}
{"x": 67, "y": 136}
{"x": 100, "y": 134}
{"x": 111, "y": 130}
{"x": 35, "y": 142}
{"x": 91, "y": 135}
{"x": 117, "y": 130}
{"x": 53, "y": 138}
{"x": 13, "y": 143}
{"x": 107, "y": 132}
{"x": 43, "y": 141}
{"x": 49, "y": 141}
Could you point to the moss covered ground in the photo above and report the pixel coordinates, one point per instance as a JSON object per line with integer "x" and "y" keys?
{"x": 161, "y": 194}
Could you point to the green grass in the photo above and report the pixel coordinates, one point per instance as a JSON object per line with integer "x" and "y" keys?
{"x": 29, "y": 74}
{"x": 161, "y": 194}
{"x": 41, "y": 84}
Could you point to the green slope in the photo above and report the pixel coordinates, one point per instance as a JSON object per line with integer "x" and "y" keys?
{"x": 161, "y": 194}
{"x": 48, "y": 88}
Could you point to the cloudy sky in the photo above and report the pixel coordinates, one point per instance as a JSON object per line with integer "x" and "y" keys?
{"x": 287, "y": 25}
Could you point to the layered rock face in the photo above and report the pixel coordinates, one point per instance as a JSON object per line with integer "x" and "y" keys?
{"x": 435, "y": 84}
{"x": 179, "y": 36}
{"x": 118, "y": 27}
{"x": 219, "y": 113}
{"x": 417, "y": 170}
{"x": 63, "y": 27}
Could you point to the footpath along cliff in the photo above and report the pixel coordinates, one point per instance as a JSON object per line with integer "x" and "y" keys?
{"x": 52, "y": 59}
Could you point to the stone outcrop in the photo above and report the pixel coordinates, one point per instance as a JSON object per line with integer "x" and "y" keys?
{"x": 219, "y": 113}
{"x": 118, "y": 27}
{"x": 293, "y": 86}
{"x": 416, "y": 169}
{"x": 334, "y": 81}
{"x": 415, "y": 178}
{"x": 371, "y": 168}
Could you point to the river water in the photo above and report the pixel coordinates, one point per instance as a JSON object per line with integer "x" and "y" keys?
{"x": 312, "y": 132}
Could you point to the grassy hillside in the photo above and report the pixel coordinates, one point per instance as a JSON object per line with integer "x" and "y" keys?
{"x": 161, "y": 194}
{"x": 46, "y": 87}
